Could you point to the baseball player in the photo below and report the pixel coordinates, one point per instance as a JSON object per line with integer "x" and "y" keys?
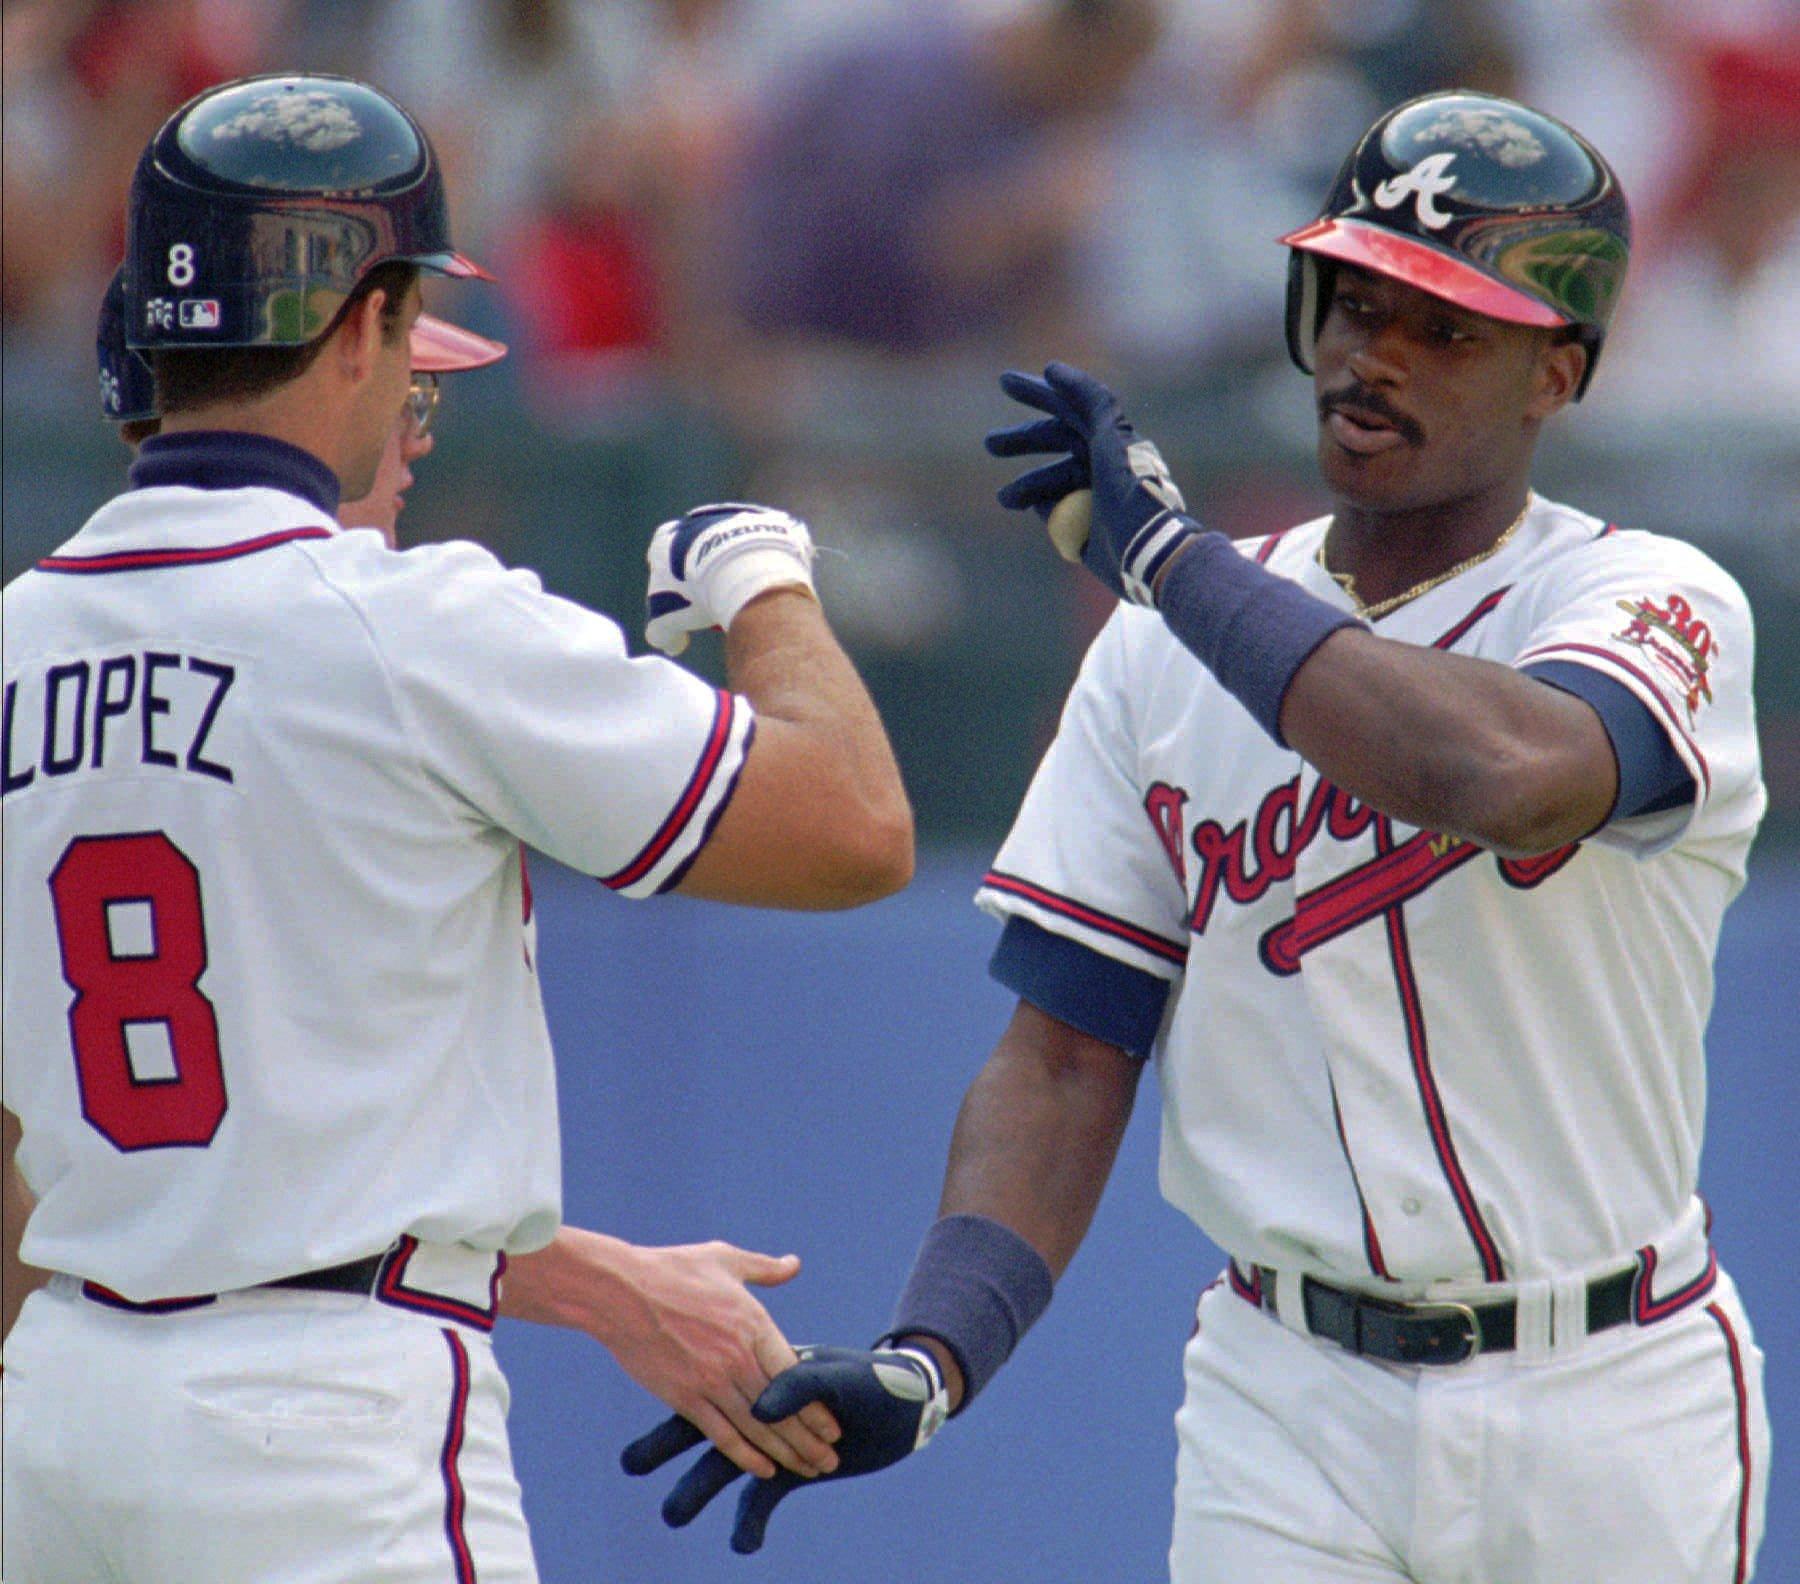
{"x": 272, "y": 1025}
{"x": 576, "y": 1281}
{"x": 1399, "y": 842}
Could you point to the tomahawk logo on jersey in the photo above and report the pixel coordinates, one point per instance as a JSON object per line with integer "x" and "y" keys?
{"x": 1404, "y": 1118}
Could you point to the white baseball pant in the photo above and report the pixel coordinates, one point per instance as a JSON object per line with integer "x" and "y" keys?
{"x": 286, "y": 1437}
{"x": 1641, "y": 1453}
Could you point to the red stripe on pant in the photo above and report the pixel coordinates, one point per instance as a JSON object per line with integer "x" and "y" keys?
{"x": 454, "y": 1499}
{"x": 1743, "y": 1439}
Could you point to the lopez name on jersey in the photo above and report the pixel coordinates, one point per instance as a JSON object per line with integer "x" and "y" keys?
{"x": 150, "y": 711}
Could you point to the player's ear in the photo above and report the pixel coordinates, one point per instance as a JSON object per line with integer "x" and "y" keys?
{"x": 358, "y": 336}
{"x": 1556, "y": 376}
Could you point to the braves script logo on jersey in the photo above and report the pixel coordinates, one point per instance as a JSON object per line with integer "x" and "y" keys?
{"x": 1426, "y": 181}
{"x": 1678, "y": 641}
{"x": 1245, "y": 859}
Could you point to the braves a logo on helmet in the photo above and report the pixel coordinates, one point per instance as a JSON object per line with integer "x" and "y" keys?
{"x": 1426, "y": 182}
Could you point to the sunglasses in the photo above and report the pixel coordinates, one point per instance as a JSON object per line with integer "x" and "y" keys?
{"x": 421, "y": 402}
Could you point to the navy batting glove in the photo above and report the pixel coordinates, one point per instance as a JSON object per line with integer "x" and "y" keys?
{"x": 887, "y": 1401}
{"x": 1139, "y": 517}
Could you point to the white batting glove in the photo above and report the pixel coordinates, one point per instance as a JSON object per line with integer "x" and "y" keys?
{"x": 707, "y": 566}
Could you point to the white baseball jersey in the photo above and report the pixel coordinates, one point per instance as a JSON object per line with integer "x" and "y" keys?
{"x": 268, "y": 1001}
{"x": 1388, "y": 1054}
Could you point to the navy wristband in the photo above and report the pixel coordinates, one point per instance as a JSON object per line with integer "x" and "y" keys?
{"x": 1250, "y": 627}
{"x": 976, "y": 1286}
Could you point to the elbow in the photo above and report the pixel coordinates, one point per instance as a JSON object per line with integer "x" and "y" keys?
{"x": 1524, "y": 809}
{"x": 1531, "y": 832}
{"x": 872, "y": 857}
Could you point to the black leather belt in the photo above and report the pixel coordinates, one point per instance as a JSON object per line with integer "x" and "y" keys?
{"x": 359, "y": 1276}
{"x": 1434, "y": 1332}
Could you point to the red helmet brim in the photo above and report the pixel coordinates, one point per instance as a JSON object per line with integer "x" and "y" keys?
{"x": 439, "y": 347}
{"x": 1419, "y": 264}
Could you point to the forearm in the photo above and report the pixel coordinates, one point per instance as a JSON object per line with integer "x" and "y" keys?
{"x": 1036, "y": 1138}
{"x": 1033, "y": 1147}
{"x": 1448, "y": 743}
{"x": 819, "y": 818}
{"x": 783, "y": 657}
{"x": 567, "y": 1283}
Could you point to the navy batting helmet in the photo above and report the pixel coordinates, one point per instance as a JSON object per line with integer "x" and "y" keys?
{"x": 259, "y": 205}
{"x": 1480, "y": 201}
{"x": 127, "y": 388}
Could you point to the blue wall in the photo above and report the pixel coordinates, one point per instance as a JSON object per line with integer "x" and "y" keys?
{"x": 789, "y": 1083}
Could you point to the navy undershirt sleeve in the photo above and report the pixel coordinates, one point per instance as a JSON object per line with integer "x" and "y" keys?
{"x": 1652, "y": 777}
{"x": 1097, "y": 994}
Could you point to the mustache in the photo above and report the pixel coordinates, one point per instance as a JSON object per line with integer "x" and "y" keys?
{"x": 1372, "y": 402}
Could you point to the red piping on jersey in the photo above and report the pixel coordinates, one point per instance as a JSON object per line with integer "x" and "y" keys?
{"x": 1526, "y": 873}
{"x": 391, "y": 1289}
{"x": 113, "y": 1300}
{"x": 714, "y": 751}
{"x": 1743, "y": 1442}
{"x": 1646, "y": 1310}
{"x": 1250, "y": 1291}
{"x": 1484, "y": 608}
{"x": 1267, "y": 548}
{"x": 1414, "y": 1012}
{"x": 455, "y": 1500}
{"x": 149, "y": 560}
{"x": 1081, "y": 913}
{"x": 1371, "y": 1243}
{"x": 1656, "y": 693}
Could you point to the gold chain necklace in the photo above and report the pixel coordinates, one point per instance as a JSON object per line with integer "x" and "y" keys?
{"x": 1347, "y": 580}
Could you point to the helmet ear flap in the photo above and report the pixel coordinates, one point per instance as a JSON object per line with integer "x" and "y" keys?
{"x": 1590, "y": 337}
{"x": 1308, "y": 293}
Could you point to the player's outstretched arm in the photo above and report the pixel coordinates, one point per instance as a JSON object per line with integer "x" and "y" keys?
{"x": 819, "y": 818}
{"x": 1034, "y": 1145}
{"x": 1454, "y": 744}
{"x": 1467, "y": 747}
{"x": 683, "y": 1325}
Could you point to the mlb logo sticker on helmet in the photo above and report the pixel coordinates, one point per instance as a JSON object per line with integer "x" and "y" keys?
{"x": 199, "y": 313}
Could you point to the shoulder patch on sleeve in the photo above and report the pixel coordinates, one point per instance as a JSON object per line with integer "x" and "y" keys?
{"x": 1676, "y": 640}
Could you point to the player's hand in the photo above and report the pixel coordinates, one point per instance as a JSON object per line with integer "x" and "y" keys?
{"x": 708, "y": 565}
{"x": 683, "y": 1324}
{"x": 889, "y": 1401}
{"x": 1138, "y": 518}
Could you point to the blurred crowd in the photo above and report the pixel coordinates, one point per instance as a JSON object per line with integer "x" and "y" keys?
{"x": 735, "y": 200}
{"x": 779, "y": 249}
